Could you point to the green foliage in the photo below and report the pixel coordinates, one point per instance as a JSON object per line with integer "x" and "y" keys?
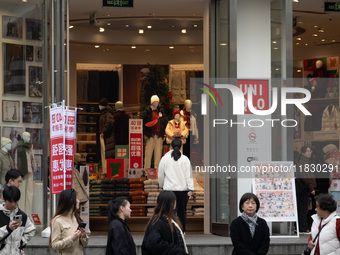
{"x": 155, "y": 83}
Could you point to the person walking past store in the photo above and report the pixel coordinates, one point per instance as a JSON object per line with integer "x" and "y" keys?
{"x": 326, "y": 224}
{"x": 163, "y": 233}
{"x": 16, "y": 229}
{"x": 249, "y": 233}
{"x": 119, "y": 238}
{"x": 175, "y": 174}
{"x": 68, "y": 236}
{"x": 305, "y": 184}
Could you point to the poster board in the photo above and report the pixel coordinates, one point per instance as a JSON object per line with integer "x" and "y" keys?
{"x": 274, "y": 184}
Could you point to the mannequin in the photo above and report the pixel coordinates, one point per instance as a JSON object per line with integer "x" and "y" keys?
{"x": 121, "y": 125}
{"x": 25, "y": 163}
{"x": 190, "y": 119}
{"x": 176, "y": 129}
{"x": 319, "y": 81}
{"x": 6, "y": 161}
{"x": 154, "y": 122}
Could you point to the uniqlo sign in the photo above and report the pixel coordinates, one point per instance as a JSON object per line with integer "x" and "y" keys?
{"x": 260, "y": 92}
{"x": 136, "y": 143}
{"x": 62, "y": 145}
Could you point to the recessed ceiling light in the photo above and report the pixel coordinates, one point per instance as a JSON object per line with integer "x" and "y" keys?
{"x": 96, "y": 46}
{"x": 316, "y": 26}
{"x": 299, "y": 71}
{"x": 195, "y": 25}
{"x": 152, "y": 14}
{"x": 333, "y": 40}
{"x": 101, "y": 29}
{"x": 276, "y": 48}
{"x": 24, "y": 1}
{"x": 299, "y": 38}
{"x": 172, "y": 26}
{"x": 133, "y": 47}
{"x": 71, "y": 27}
{"x": 277, "y": 69}
{"x": 184, "y": 31}
{"x": 141, "y": 31}
{"x": 297, "y": 43}
{"x": 64, "y": 44}
{"x": 306, "y": 44}
{"x": 321, "y": 30}
{"x": 108, "y": 24}
{"x": 149, "y": 27}
{"x": 274, "y": 42}
{"x": 323, "y": 40}
{"x": 127, "y": 25}
{"x": 314, "y": 35}
{"x": 171, "y": 47}
{"x": 296, "y": 1}
{"x": 147, "y": 50}
{"x": 108, "y": 15}
{"x": 223, "y": 44}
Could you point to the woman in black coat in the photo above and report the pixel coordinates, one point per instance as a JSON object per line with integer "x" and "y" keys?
{"x": 249, "y": 233}
{"x": 164, "y": 235}
{"x": 119, "y": 238}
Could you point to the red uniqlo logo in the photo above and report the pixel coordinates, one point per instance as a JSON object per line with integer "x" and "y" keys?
{"x": 70, "y": 120}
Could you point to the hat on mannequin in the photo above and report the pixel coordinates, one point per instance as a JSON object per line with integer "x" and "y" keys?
{"x": 176, "y": 112}
{"x": 154, "y": 98}
{"x": 119, "y": 106}
{"x": 5, "y": 141}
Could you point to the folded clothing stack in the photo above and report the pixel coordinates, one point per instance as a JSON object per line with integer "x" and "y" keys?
{"x": 94, "y": 211}
{"x": 96, "y": 185}
{"x": 152, "y": 197}
{"x": 151, "y": 185}
{"x": 138, "y": 197}
{"x": 199, "y": 211}
{"x": 109, "y": 185}
{"x": 151, "y": 211}
{"x": 138, "y": 211}
{"x": 136, "y": 184}
{"x": 190, "y": 212}
{"x": 95, "y": 197}
{"x": 124, "y": 194}
{"x": 199, "y": 196}
{"x": 107, "y": 196}
{"x": 122, "y": 184}
{"x": 103, "y": 210}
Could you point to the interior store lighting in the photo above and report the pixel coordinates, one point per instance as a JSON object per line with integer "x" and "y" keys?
{"x": 71, "y": 27}
{"x": 333, "y": 40}
{"x": 141, "y": 31}
{"x": 127, "y": 25}
{"x": 195, "y": 25}
{"x": 96, "y": 46}
{"x": 315, "y": 35}
{"x": 133, "y": 47}
{"x": 322, "y": 40}
{"x": 223, "y": 44}
{"x": 24, "y": 1}
{"x": 171, "y": 47}
{"x": 296, "y": 1}
{"x": 299, "y": 38}
{"x": 274, "y": 42}
{"x": 108, "y": 24}
{"x": 149, "y": 27}
{"x": 101, "y": 29}
{"x": 184, "y": 31}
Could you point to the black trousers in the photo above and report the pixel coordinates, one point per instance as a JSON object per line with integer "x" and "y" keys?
{"x": 181, "y": 206}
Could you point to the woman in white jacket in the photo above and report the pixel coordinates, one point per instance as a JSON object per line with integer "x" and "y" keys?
{"x": 66, "y": 238}
{"x": 175, "y": 174}
{"x": 328, "y": 241}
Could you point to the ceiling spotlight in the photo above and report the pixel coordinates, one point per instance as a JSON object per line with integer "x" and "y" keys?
{"x": 276, "y": 48}
{"x": 323, "y": 40}
{"x": 172, "y": 26}
{"x": 96, "y": 46}
{"x": 24, "y": 1}
{"x": 108, "y": 24}
{"x": 71, "y": 27}
{"x": 296, "y": 1}
{"x": 314, "y": 35}
{"x": 149, "y": 27}
{"x": 274, "y": 42}
{"x": 195, "y": 25}
{"x": 306, "y": 44}
{"x": 141, "y": 31}
{"x": 171, "y": 47}
{"x": 299, "y": 38}
{"x": 333, "y": 40}
{"x": 223, "y": 44}
{"x": 127, "y": 25}
{"x": 147, "y": 50}
{"x": 184, "y": 31}
{"x": 277, "y": 69}
{"x": 133, "y": 47}
{"x": 299, "y": 71}
{"x": 101, "y": 29}
{"x": 297, "y": 43}
{"x": 316, "y": 26}
{"x": 321, "y": 30}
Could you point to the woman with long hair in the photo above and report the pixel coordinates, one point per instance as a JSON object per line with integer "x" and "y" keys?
{"x": 163, "y": 234}
{"x": 175, "y": 174}
{"x": 66, "y": 236}
{"x": 119, "y": 238}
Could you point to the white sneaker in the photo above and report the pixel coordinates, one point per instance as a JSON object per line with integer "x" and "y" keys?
{"x": 305, "y": 233}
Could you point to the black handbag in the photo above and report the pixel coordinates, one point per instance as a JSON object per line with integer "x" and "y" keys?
{"x": 307, "y": 251}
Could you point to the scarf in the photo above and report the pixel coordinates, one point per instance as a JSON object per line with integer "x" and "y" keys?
{"x": 180, "y": 237}
{"x": 251, "y": 221}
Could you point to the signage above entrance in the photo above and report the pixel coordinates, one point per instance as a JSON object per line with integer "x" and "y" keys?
{"x": 117, "y": 3}
{"x": 332, "y": 6}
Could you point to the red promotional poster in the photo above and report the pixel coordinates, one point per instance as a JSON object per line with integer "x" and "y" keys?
{"x": 62, "y": 140}
{"x": 115, "y": 168}
{"x": 260, "y": 91}
{"x": 36, "y": 219}
{"x": 136, "y": 143}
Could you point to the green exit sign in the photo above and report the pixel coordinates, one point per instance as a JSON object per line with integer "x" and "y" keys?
{"x": 332, "y": 6}
{"x": 117, "y": 3}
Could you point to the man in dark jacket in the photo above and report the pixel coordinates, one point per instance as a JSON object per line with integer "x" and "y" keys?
{"x": 154, "y": 123}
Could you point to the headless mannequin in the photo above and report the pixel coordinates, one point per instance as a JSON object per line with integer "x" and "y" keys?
{"x": 190, "y": 118}
{"x": 154, "y": 127}
{"x": 6, "y": 161}
{"x": 26, "y": 165}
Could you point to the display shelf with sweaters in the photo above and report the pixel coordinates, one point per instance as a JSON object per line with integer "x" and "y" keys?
{"x": 142, "y": 195}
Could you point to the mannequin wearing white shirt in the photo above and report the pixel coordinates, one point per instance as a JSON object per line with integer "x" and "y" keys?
{"x": 6, "y": 161}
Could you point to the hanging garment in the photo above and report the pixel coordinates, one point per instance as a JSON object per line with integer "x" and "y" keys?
{"x": 330, "y": 118}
